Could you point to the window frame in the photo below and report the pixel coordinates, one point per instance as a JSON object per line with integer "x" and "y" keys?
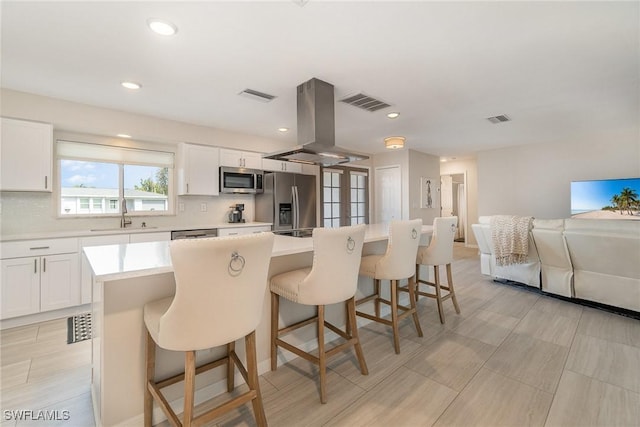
{"x": 171, "y": 190}
{"x": 345, "y": 192}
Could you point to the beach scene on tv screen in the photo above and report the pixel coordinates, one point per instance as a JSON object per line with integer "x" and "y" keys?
{"x": 606, "y": 199}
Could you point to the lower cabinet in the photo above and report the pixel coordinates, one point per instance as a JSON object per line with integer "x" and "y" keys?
{"x": 158, "y": 236}
{"x": 33, "y": 284}
{"x": 20, "y": 287}
{"x": 59, "y": 282}
{"x": 237, "y": 231}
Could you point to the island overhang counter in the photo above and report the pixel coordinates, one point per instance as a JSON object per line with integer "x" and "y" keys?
{"x": 126, "y": 277}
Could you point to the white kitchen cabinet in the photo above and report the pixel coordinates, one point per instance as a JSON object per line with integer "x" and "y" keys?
{"x": 240, "y": 159}
{"x": 115, "y": 239}
{"x": 26, "y": 156}
{"x": 20, "y": 287}
{"x": 59, "y": 282}
{"x": 238, "y": 231}
{"x": 198, "y": 170}
{"x": 160, "y": 236}
{"x": 38, "y": 276}
{"x": 310, "y": 170}
{"x": 280, "y": 166}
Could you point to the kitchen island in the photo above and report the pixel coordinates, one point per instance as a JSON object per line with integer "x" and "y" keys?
{"x": 125, "y": 277}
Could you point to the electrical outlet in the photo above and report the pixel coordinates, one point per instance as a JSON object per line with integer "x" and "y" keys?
{"x": 203, "y": 207}
{"x": 181, "y": 207}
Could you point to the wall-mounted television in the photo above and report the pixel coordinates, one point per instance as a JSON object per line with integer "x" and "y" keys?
{"x": 606, "y": 199}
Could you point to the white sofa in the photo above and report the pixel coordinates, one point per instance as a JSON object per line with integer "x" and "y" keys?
{"x": 527, "y": 273}
{"x": 592, "y": 260}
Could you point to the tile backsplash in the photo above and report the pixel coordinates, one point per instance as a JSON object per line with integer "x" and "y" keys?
{"x": 25, "y": 212}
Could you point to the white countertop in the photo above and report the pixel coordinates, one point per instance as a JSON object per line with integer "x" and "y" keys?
{"x": 114, "y": 262}
{"x": 116, "y": 230}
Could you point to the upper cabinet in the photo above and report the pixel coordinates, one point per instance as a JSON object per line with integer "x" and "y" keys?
{"x": 26, "y": 156}
{"x": 240, "y": 159}
{"x": 280, "y": 166}
{"x": 198, "y": 170}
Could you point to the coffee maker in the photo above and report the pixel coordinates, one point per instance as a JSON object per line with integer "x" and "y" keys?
{"x": 236, "y": 213}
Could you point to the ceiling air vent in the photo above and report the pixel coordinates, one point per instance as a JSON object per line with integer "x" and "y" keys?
{"x": 365, "y": 102}
{"x": 499, "y": 119}
{"x": 256, "y": 95}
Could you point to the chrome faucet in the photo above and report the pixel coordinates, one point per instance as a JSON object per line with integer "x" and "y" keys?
{"x": 123, "y": 221}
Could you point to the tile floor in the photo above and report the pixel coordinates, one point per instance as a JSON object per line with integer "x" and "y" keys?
{"x": 511, "y": 357}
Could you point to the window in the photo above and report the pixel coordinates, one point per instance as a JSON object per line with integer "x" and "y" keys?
{"x": 331, "y": 200}
{"x": 94, "y": 179}
{"x": 345, "y": 196}
{"x": 358, "y": 197}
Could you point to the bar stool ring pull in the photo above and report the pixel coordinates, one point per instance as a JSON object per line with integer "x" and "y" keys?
{"x": 236, "y": 265}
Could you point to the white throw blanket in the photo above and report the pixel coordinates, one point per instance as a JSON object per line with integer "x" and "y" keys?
{"x": 510, "y": 238}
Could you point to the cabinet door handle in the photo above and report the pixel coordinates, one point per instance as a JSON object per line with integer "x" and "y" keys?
{"x": 44, "y": 265}
{"x": 46, "y": 182}
{"x": 187, "y": 187}
{"x": 35, "y": 265}
{"x": 232, "y": 234}
{"x": 39, "y": 248}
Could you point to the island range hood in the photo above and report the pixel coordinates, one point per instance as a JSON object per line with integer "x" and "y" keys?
{"x": 316, "y": 129}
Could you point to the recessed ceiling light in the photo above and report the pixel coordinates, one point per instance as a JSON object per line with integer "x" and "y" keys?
{"x": 123, "y": 135}
{"x": 283, "y": 129}
{"x": 161, "y": 27}
{"x": 131, "y": 85}
{"x": 393, "y": 115}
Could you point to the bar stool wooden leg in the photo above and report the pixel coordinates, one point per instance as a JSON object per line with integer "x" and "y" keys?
{"x": 189, "y": 387}
{"x": 275, "y": 307}
{"x": 231, "y": 368}
{"x": 412, "y": 301}
{"x": 322, "y": 356}
{"x": 438, "y": 293}
{"x": 150, "y": 350}
{"x": 417, "y": 281}
{"x": 377, "y": 300}
{"x": 254, "y": 382}
{"x": 452, "y": 292}
{"x": 351, "y": 320}
{"x": 394, "y": 315}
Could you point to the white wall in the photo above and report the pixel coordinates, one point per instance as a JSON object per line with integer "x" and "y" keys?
{"x": 24, "y": 212}
{"x": 428, "y": 166}
{"x": 536, "y": 179}
{"x": 413, "y": 165}
{"x": 470, "y": 168}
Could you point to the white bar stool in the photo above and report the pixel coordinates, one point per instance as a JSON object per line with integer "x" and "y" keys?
{"x": 333, "y": 278}
{"x": 439, "y": 252}
{"x": 396, "y": 264}
{"x": 220, "y": 284}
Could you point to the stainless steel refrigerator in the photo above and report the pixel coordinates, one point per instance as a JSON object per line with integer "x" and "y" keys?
{"x": 288, "y": 201}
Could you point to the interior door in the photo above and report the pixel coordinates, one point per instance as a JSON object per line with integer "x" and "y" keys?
{"x": 388, "y": 194}
{"x": 446, "y": 195}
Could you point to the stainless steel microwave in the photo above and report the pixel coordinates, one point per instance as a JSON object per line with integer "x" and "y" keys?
{"x": 241, "y": 180}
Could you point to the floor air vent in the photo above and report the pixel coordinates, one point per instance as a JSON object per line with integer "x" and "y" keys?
{"x": 499, "y": 119}
{"x": 257, "y": 96}
{"x": 365, "y": 102}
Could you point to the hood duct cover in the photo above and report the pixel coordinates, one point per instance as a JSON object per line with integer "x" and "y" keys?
{"x": 316, "y": 129}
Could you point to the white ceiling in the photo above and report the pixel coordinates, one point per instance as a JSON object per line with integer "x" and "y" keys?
{"x": 563, "y": 71}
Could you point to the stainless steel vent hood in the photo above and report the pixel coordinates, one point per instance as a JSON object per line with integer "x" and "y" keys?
{"x": 316, "y": 129}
